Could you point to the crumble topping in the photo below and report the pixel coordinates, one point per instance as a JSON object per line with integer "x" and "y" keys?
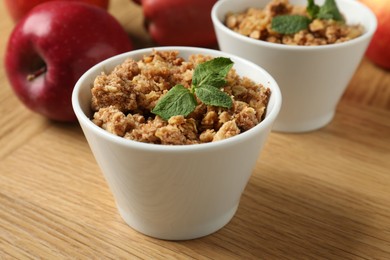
{"x": 123, "y": 99}
{"x": 256, "y": 23}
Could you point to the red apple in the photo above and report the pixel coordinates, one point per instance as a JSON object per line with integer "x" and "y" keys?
{"x": 51, "y": 47}
{"x": 19, "y": 8}
{"x": 379, "y": 49}
{"x": 180, "y": 22}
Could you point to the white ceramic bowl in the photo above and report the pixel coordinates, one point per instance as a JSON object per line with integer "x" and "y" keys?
{"x": 312, "y": 78}
{"x": 176, "y": 192}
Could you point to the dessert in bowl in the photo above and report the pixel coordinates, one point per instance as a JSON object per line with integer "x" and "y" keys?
{"x": 175, "y": 191}
{"x": 312, "y": 75}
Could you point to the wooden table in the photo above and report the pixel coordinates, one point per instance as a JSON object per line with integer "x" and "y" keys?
{"x": 319, "y": 195}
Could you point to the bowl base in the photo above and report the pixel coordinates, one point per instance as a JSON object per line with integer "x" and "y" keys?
{"x": 290, "y": 126}
{"x": 167, "y": 231}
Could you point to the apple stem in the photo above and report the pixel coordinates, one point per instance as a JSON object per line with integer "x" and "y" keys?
{"x": 36, "y": 74}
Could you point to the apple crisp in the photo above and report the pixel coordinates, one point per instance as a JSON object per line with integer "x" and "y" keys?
{"x": 123, "y": 99}
{"x": 256, "y": 23}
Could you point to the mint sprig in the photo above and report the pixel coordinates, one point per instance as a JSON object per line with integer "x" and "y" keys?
{"x": 312, "y": 9}
{"x": 207, "y": 80}
{"x": 330, "y": 11}
{"x": 213, "y": 96}
{"x": 177, "y": 101}
{"x": 290, "y": 24}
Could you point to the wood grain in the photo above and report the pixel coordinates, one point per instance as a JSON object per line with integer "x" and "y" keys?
{"x": 318, "y": 195}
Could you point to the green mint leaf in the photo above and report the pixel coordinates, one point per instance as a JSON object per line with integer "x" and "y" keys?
{"x": 289, "y": 24}
{"x": 212, "y": 72}
{"x": 213, "y": 96}
{"x": 330, "y": 11}
{"x": 177, "y": 101}
{"x": 312, "y": 9}
{"x": 207, "y": 79}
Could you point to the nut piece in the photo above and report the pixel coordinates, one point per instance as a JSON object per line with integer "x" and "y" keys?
{"x": 227, "y": 130}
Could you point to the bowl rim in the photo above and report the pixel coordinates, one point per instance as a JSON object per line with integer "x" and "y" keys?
{"x": 84, "y": 120}
{"x": 369, "y": 30}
